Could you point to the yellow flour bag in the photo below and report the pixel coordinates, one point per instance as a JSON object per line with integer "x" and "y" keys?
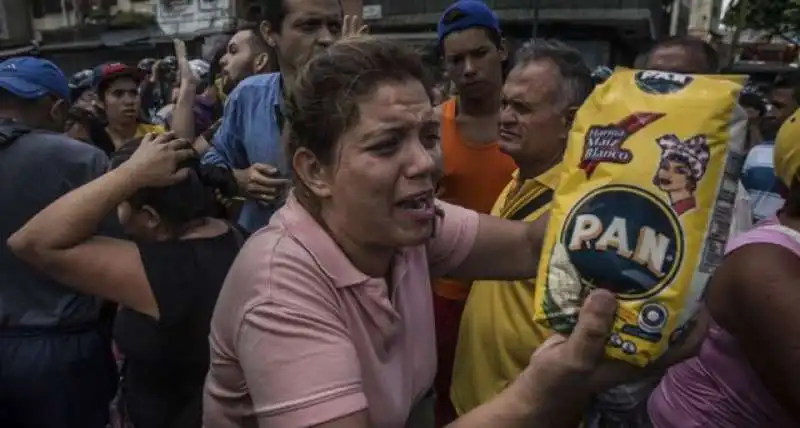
{"x": 644, "y": 204}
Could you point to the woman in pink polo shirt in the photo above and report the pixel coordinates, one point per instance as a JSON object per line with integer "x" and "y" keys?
{"x": 326, "y": 316}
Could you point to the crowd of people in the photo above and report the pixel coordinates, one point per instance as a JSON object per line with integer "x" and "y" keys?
{"x": 309, "y": 231}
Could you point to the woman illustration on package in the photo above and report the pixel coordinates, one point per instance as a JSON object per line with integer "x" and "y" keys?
{"x": 683, "y": 164}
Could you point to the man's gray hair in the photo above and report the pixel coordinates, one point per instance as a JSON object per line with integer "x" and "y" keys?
{"x": 577, "y": 82}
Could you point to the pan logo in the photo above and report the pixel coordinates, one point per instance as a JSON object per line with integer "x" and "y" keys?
{"x": 624, "y": 239}
{"x": 661, "y": 82}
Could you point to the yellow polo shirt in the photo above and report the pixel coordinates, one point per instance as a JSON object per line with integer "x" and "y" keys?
{"x": 497, "y": 334}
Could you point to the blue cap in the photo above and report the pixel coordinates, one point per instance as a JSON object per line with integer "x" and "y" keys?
{"x": 30, "y": 78}
{"x": 465, "y": 14}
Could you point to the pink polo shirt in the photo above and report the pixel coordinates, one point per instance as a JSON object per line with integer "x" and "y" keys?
{"x": 301, "y": 337}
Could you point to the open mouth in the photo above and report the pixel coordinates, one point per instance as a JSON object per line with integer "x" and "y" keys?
{"x": 420, "y": 204}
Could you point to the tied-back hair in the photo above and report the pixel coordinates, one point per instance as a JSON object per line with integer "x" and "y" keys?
{"x": 190, "y": 199}
{"x": 324, "y": 99}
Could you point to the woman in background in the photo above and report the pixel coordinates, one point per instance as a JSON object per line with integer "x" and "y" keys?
{"x": 747, "y": 373}
{"x": 166, "y": 279}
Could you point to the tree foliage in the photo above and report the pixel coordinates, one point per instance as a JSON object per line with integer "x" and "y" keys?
{"x": 772, "y": 16}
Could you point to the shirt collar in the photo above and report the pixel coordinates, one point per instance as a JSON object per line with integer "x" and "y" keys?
{"x": 549, "y": 178}
{"x": 313, "y": 238}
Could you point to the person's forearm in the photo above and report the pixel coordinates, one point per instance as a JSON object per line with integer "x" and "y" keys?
{"x": 517, "y": 406}
{"x": 183, "y": 113}
{"x": 508, "y": 410}
{"x": 74, "y": 217}
{"x": 241, "y": 176}
{"x": 200, "y": 145}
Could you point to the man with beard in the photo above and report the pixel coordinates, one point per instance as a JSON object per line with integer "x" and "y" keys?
{"x": 248, "y": 140}
{"x": 758, "y": 174}
{"x": 474, "y": 169}
{"x": 246, "y": 54}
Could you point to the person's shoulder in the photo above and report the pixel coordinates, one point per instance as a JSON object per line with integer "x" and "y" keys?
{"x": 761, "y": 150}
{"x": 757, "y": 258}
{"x": 253, "y": 88}
{"x": 266, "y": 80}
{"x": 274, "y": 248}
{"x": 274, "y": 263}
{"x": 446, "y": 110}
{"x": 63, "y": 146}
{"x": 760, "y": 155}
{"x": 57, "y": 158}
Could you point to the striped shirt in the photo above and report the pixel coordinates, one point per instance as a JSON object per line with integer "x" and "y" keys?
{"x": 758, "y": 178}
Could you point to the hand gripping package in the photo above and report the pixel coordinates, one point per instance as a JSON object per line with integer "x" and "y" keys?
{"x": 644, "y": 205}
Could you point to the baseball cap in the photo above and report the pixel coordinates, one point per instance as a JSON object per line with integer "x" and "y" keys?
{"x": 115, "y": 70}
{"x": 30, "y": 78}
{"x": 787, "y": 150}
{"x": 465, "y": 14}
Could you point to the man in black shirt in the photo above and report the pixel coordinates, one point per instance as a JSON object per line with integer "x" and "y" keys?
{"x": 56, "y": 367}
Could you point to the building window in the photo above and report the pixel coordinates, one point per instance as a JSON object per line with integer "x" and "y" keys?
{"x": 45, "y": 7}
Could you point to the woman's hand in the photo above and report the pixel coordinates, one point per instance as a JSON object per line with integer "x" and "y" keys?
{"x": 155, "y": 162}
{"x": 562, "y": 361}
{"x": 614, "y": 372}
{"x": 609, "y": 373}
{"x": 579, "y": 358}
{"x": 555, "y": 386}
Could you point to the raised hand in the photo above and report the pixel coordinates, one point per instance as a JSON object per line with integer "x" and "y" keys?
{"x": 353, "y": 27}
{"x": 185, "y": 70}
{"x": 155, "y": 162}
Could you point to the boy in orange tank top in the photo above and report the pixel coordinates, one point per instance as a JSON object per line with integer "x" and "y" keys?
{"x": 474, "y": 169}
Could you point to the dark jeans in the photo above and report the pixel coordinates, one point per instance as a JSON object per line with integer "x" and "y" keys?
{"x": 50, "y": 378}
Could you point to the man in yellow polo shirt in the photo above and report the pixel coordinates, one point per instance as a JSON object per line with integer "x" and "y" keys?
{"x": 497, "y": 334}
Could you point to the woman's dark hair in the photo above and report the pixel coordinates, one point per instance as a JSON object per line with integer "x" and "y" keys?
{"x": 187, "y": 200}
{"x": 324, "y": 101}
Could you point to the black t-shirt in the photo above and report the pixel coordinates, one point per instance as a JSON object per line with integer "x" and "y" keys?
{"x": 167, "y": 360}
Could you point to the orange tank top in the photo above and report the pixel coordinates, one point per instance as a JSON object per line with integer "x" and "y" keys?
{"x": 474, "y": 176}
